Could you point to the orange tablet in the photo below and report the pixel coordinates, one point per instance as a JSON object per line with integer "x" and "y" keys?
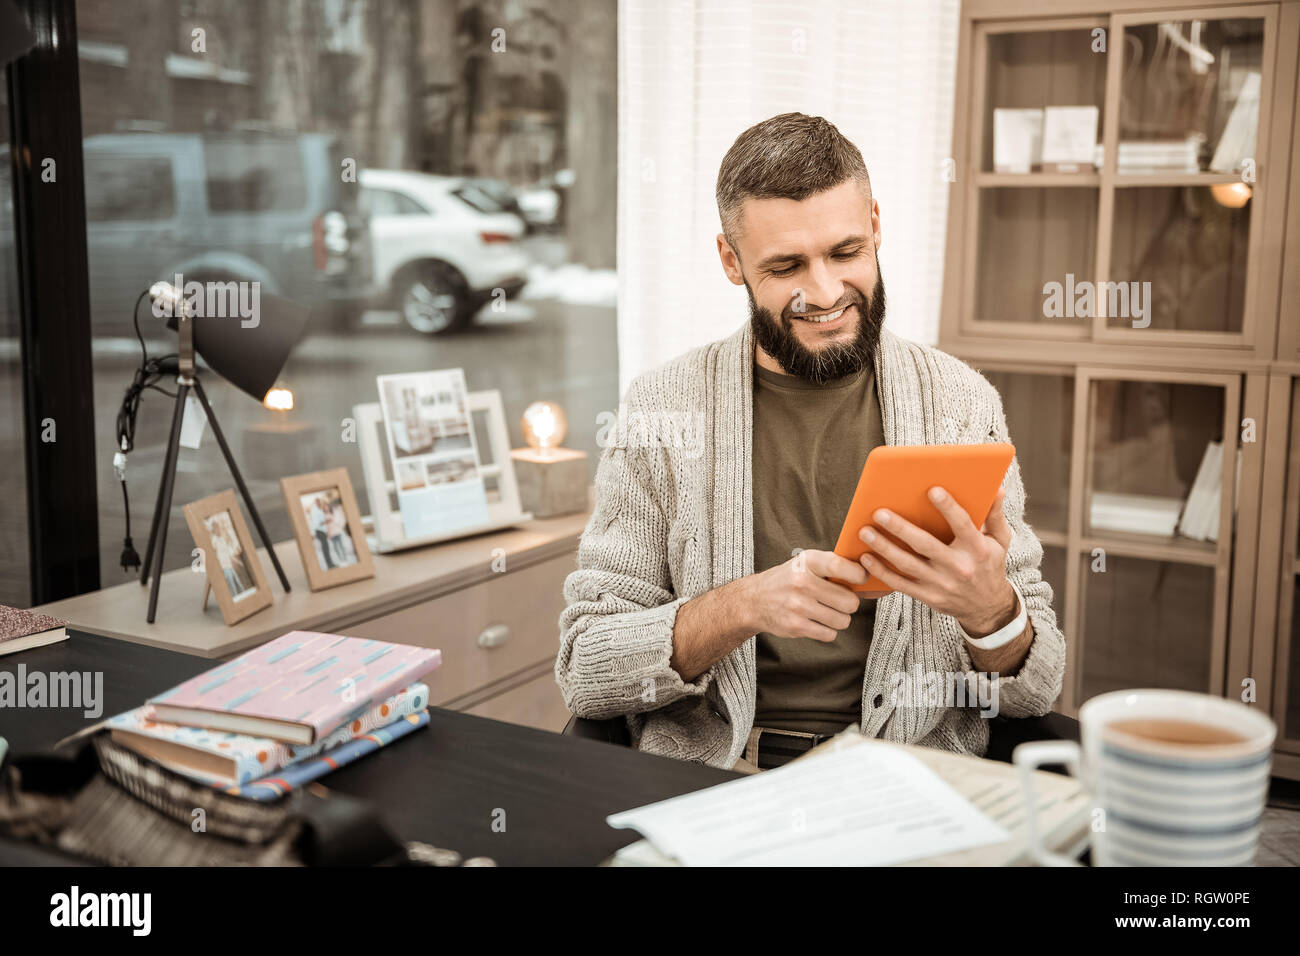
{"x": 898, "y": 477}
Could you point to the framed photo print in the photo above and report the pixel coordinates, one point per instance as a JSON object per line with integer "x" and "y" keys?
{"x": 230, "y": 559}
{"x": 327, "y": 526}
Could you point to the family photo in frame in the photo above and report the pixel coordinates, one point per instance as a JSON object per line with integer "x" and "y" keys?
{"x": 327, "y": 527}
{"x": 230, "y": 561}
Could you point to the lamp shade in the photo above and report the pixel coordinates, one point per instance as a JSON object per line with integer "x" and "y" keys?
{"x": 250, "y": 356}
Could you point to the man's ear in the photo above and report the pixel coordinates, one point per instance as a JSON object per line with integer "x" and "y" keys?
{"x": 730, "y": 261}
{"x": 875, "y": 223}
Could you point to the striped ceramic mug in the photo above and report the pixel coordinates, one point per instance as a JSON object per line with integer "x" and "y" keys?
{"x": 1176, "y": 778}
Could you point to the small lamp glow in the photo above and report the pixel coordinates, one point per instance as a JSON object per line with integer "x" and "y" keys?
{"x": 279, "y": 398}
{"x": 1231, "y": 195}
{"x": 544, "y": 425}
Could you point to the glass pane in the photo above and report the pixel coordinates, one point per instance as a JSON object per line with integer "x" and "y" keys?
{"x": 490, "y": 246}
{"x": 1040, "y": 418}
{"x": 15, "y": 570}
{"x": 1028, "y": 72}
{"x": 1145, "y": 624}
{"x": 1178, "y": 259}
{"x": 1156, "y": 461}
{"x": 1189, "y": 97}
{"x": 1028, "y": 238}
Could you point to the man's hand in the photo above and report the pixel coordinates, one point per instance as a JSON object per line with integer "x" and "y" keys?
{"x": 790, "y": 600}
{"x": 795, "y": 599}
{"x": 966, "y": 579}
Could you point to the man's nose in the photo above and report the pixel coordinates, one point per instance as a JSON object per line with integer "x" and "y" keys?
{"x": 823, "y": 291}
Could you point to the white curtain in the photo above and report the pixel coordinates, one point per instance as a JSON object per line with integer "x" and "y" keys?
{"x": 694, "y": 73}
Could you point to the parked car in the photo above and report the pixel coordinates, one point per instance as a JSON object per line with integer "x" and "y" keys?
{"x": 492, "y": 195}
{"x": 540, "y": 203}
{"x": 438, "y": 254}
{"x": 220, "y": 207}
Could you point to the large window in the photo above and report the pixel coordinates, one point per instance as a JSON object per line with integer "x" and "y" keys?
{"x": 432, "y": 179}
{"x": 15, "y": 584}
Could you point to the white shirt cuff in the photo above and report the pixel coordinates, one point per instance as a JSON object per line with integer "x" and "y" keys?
{"x": 1003, "y": 635}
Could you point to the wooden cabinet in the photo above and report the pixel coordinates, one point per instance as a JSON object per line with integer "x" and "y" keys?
{"x": 535, "y": 702}
{"x": 488, "y": 632}
{"x": 1139, "y": 312}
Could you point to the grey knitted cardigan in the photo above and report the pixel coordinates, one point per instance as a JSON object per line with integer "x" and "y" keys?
{"x": 673, "y": 519}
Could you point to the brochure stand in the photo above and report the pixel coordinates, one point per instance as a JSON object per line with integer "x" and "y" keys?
{"x": 384, "y": 523}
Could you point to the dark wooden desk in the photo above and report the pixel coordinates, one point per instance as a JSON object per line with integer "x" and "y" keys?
{"x": 444, "y": 785}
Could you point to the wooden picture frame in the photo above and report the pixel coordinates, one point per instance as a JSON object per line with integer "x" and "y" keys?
{"x": 234, "y": 576}
{"x": 328, "y": 559}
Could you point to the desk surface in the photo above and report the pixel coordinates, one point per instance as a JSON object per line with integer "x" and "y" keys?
{"x": 444, "y": 785}
{"x": 401, "y": 579}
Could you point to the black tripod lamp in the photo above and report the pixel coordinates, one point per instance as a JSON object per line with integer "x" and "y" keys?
{"x": 248, "y": 355}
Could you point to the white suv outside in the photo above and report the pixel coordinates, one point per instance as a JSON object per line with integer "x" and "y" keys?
{"x": 441, "y": 247}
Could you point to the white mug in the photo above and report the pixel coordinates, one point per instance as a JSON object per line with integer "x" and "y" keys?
{"x": 1161, "y": 802}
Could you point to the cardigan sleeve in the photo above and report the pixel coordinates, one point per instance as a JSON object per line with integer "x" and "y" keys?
{"x": 616, "y": 633}
{"x": 1034, "y": 688}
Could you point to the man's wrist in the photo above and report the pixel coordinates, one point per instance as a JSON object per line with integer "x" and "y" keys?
{"x": 1005, "y": 612}
{"x": 745, "y": 604}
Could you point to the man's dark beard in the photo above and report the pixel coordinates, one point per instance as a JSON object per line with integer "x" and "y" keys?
{"x": 779, "y": 339}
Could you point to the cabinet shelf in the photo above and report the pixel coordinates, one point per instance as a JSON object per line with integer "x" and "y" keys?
{"x": 1031, "y": 180}
{"x": 1174, "y": 550}
{"x": 1124, "y": 180}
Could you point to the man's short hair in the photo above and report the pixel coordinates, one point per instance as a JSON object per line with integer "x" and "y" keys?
{"x": 791, "y": 156}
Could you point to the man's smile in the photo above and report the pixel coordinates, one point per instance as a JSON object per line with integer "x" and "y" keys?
{"x": 828, "y": 321}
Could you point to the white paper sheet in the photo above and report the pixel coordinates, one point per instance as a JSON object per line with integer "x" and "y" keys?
{"x": 864, "y": 806}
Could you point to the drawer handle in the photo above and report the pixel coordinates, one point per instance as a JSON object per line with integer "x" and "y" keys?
{"x": 494, "y": 636}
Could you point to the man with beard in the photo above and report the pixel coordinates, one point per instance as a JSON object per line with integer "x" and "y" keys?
{"x": 702, "y": 612}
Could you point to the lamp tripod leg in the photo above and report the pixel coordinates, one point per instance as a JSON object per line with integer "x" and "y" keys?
{"x": 239, "y": 483}
{"x": 158, "y": 535}
{"x": 153, "y": 534}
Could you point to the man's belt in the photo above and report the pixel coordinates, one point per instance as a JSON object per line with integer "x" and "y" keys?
{"x": 768, "y": 747}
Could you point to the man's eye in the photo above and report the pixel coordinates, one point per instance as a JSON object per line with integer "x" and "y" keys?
{"x": 843, "y": 256}
{"x": 789, "y": 270}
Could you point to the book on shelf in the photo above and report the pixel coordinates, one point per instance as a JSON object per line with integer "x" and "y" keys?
{"x": 227, "y": 759}
{"x": 295, "y": 688}
{"x": 1017, "y": 140}
{"x": 1134, "y": 514}
{"x": 1069, "y": 137}
{"x": 1158, "y": 156}
{"x": 1237, "y": 142}
{"x": 23, "y": 630}
{"x": 1201, "y": 509}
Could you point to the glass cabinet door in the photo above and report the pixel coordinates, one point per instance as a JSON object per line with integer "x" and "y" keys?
{"x": 1190, "y": 93}
{"x": 1155, "y": 470}
{"x": 1039, "y": 408}
{"x": 1154, "y": 548}
{"x": 1029, "y": 73}
{"x": 1028, "y": 239}
{"x": 1145, "y": 624}
{"x": 1178, "y": 258}
{"x": 1186, "y": 176}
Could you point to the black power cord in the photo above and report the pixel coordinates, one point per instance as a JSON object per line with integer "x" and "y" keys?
{"x": 148, "y": 375}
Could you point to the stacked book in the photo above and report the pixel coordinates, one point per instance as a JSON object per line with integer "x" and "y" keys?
{"x": 1158, "y": 156}
{"x": 284, "y": 713}
{"x": 23, "y": 630}
{"x": 1200, "y": 518}
{"x": 1135, "y": 514}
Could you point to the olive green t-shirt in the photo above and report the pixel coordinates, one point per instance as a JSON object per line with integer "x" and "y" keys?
{"x": 809, "y": 445}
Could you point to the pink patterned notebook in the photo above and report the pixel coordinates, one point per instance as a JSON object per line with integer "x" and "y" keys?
{"x": 295, "y": 688}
